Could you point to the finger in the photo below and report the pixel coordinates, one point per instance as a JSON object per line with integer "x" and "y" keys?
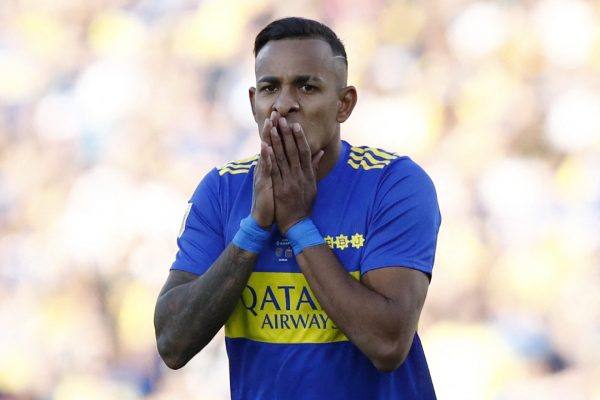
{"x": 275, "y": 172}
{"x": 265, "y": 134}
{"x": 265, "y": 160}
{"x": 316, "y": 160}
{"x": 274, "y": 117}
{"x": 279, "y": 152}
{"x": 289, "y": 144}
{"x": 259, "y": 170}
{"x": 303, "y": 147}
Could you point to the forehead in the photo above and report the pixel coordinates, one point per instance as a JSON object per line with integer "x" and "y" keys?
{"x": 290, "y": 57}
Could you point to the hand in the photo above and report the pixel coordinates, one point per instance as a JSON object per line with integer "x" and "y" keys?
{"x": 263, "y": 206}
{"x": 293, "y": 174}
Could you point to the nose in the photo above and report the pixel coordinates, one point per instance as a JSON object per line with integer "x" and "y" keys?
{"x": 285, "y": 102}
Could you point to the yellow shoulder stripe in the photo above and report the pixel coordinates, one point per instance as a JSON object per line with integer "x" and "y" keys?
{"x": 369, "y": 158}
{"x": 238, "y": 166}
{"x": 233, "y": 171}
{"x": 377, "y": 152}
{"x": 364, "y": 165}
{"x": 245, "y": 160}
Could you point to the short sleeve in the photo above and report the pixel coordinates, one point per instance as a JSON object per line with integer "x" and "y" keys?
{"x": 200, "y": 240}
{"x": 404, "y": 222}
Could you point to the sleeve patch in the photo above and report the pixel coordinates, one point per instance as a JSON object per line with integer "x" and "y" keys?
{"x": 185, "y": 217}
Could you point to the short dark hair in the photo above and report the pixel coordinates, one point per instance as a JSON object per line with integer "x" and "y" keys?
{"x": 299, "y": 28}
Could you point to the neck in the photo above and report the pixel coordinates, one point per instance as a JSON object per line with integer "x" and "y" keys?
{"x": 330, "y": 158}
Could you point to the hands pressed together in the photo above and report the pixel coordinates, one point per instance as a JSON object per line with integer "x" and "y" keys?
{"x": 285, "y": 178}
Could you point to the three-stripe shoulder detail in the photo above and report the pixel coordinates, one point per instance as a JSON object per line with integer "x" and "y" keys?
{"x": 238, "y": 167}
{"x": 370, "y": 158}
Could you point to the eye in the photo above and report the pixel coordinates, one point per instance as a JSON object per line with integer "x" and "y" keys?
{"x": 268, "y": 89}
{"x": 308, "y": 88}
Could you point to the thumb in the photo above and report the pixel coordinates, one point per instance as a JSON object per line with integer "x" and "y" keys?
{"x": 316, "y": 159}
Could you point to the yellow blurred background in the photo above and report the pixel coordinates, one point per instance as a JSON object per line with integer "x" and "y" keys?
{"x": 111, "y": 111}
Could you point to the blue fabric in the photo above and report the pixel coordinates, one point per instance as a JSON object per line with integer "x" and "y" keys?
{"x": 374, "y": 210}
{"x": 251, "y": 237}
{"x": 322, "y": 371}
{"x": 304, "y": 234}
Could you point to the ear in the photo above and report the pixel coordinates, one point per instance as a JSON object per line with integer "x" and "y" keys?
{"x": 347, "y": 101}
{"x": 251, "y": 94}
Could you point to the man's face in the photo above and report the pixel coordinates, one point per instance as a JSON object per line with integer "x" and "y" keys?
{"x": 300, "y": 79}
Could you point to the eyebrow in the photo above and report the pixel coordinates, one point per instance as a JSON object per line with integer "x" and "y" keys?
{"x": 299, "y": 79}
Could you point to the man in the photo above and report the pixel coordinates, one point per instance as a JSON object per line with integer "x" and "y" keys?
{"x": 315, "y": 255}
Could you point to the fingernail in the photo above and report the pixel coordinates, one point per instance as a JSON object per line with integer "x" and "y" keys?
{"x": 282, "y": 122}
{"x": 296, "y": 127}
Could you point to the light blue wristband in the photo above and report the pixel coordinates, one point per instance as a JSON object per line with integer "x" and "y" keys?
{"x": 304, "y": 234}
{"x": 251, "y": 237}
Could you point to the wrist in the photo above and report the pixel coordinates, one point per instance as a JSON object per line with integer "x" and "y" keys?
{"x": 251, "y": 236}
{"x": 284, "y": 229}
{"x": 304, "y": 234}
{"x": 264, "y": 223}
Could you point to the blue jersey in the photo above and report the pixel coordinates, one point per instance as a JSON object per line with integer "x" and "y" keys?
{"x": 374, "y": 209}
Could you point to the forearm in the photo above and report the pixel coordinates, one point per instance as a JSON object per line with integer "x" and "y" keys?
{"x": 188, "y": 316}
{"x": 381, "y": 327}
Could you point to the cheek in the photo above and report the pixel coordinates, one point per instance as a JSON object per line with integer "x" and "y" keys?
{"x": 320, "y": 127}
{"x": 262, "y": 110}
{"x": 260, "y": 114}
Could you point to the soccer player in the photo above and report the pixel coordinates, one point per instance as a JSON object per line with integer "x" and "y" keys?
{"x": 316, "y": 255}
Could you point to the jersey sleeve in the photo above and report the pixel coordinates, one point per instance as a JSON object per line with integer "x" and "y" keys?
{"x": 404, "y": 222}
{"x": 200, "y": 240}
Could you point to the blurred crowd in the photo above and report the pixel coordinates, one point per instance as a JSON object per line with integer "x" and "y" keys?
{"x": 111, "y": 111}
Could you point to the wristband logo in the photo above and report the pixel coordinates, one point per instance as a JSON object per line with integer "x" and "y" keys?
{"x": 280, "y": 307}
